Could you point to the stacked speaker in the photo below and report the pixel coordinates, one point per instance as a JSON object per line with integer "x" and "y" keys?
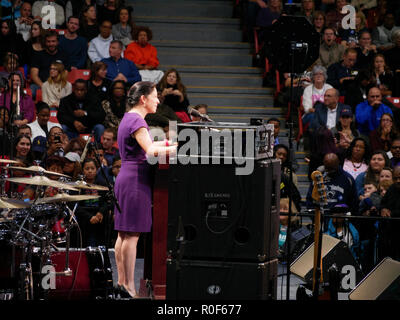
{"x": 223, "y": 231}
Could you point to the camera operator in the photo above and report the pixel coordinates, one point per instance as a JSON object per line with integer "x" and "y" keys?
{"x": 57, "y": 142}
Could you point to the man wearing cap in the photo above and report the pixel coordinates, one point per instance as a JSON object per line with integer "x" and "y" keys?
{"x": 39, "y": 148}
{"x": 369, "y": 112}
{"x": 328, "y": 113}
{"x": 41, "y": 126}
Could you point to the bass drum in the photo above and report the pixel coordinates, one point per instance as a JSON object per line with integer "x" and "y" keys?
{"x": 91, "y": 276}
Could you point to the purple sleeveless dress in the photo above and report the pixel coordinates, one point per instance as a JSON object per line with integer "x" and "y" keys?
{"x": 132, "y": 186}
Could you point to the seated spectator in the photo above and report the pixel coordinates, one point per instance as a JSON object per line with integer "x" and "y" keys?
{"x": 307, "y": 10}
{"x": 202, "y": 108}
{"x": 390, "y": 205}
{"x": 339, "y": 185}
{"x": 268, "y": 15}
{"x": 383, "y": 75}
{"x": 314, "y": 92}
{"x": 395, "y": 151}
{"x": 322, "y": 142}
{"x": 350, "y": 37}
{"x": 39, "y": 14}
{"x": 330, "y": 51}
{"x": 345, "y": 131}
{"x": 376, "y": 15}
{"x": 328, "y": 113}
{"x": 77, "y": 114}
{"x": 25, "y": 130}
{"x": 363, "y": 5}
{"x": 115, "y": 105}
{"x": 75, "y": 47}
{"x": 57, "y": 142}
{"x": 10, "y": 65}
{"x": 124, "y": 28}
{"x": 382, "y": 35}
{"x": 357, "y": 91}
{"x": 11, "y": 41}
{"x": 36, "y": 41}
{"x": 366, "y": 51}
{"x": 393, "y": 60}
{"x": 318, "y": 22}
{"x": 378, "y": 161}
{"x": 41, "y": 126}
{"x": 386, "y": 175}
{"x": 119, "y": 68}
{"x": 76, "y": 7}
{"x": 99, "y": 46}
{"x": 89, "y": 28}
{"x": 22, "y": 150}
{"x": 54, "y": 164}
{"x": 56, "y": 87}
{"x": 284, "y": 219}
{"x": 277, "y": 128}
{"x": 356, "y": 157}
{"x": 344, "y": 230}
{"x": 26, "y": 107}
{"x": 108, "y": 11}
{"x": 24, "y": 22}
{"x": 109, "y": 139}
{"x": 98, "y": 84}
{"x": 72, "y": 166}
{"x": 39, "y": 150}
{"x": 89, "y": 213}
{"x": 41, "y": 61}
{"x": 282, "y": 153}
{"x": 173, "y": 93}
{"x": 76, "y": 145}
{"x": 369, "y": 112}
{"x": 343, "y": 73}
{"x": 144, "y": 55}
{"x": 335, "y": 16}
{"x": 382, "y": 137}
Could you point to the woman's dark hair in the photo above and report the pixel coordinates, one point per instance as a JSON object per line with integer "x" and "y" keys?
{"x": 29, "y": 157}
{"x": 179, "y": 85}
{"x": 11, "y": 26}
{"x": 370, "y": 176}
{"x": 393, "y": 133}
{"x": 40, "y": 37}
{"x": 98, "y": 65}
{"x": 141, "y": 88}
{"x": 130, "y": 10}
{"x": 140, "y": 29}
{"x": 367, "y": 152}
{"x": 21, "y": 80}
{"x": 41, "y": 105}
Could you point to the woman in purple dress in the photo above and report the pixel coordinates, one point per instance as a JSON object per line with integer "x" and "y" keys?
{"x": 132, "y": 186}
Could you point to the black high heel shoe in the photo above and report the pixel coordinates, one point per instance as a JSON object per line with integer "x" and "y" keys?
{"x": 121, "y": 293}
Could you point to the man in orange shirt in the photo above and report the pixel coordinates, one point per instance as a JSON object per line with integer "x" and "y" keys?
{"x": 144, "y": 55}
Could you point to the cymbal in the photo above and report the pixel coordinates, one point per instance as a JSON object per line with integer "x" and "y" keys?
{"x": 8, "y": 161}
{"x": 84, "y": 185}
{"x": 38, "y": 169}
{"x": 64, "y": 197}
{"x": 42, "y": 181}
{"x": 6, "y": 203}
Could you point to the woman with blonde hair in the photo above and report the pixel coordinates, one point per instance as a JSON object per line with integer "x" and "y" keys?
{"x": 56, "y": 86}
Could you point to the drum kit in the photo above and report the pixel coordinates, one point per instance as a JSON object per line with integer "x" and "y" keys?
{"x": 34, "y": 232}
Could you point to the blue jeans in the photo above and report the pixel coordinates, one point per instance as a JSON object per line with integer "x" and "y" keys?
{"x": 97, "y": 130}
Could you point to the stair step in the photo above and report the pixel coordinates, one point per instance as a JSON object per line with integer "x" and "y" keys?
{"x": 173, "y": 8}
{"x": 223, "y": 80}
{"x": 205, "y": 50}
{"x": 204, "y": 59}
{"x": 229, "y": 117}
{"x": 212, "y": 69}
{"x": 179, "y": 20}
{"x": 244, "y": 110}
{"x": 261, "y": 102}
{"x": 201, "y": 44}
{"x": 228, "y": 90}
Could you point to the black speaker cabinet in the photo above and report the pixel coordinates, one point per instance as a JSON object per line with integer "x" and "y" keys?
{"x": 335, "y": 252}
{"x": 216, "y": 280}
{"x": 382, "y": 283}
{"x": 223, "y": 216}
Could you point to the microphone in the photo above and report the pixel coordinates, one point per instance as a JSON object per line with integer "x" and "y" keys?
{"x": 193, "y": 112}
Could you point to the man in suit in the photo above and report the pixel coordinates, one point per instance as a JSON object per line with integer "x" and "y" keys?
{"x": 328, "y": 113}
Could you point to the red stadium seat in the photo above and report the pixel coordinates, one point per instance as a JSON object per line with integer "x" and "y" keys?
{"x": 395, "y": 101}
{"x": 38, "y": 95}
{"x": 75, "y": 74}
{"x": 53, "y": 116}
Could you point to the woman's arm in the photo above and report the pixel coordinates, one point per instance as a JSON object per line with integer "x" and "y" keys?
{"x": 151, "y": 148}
